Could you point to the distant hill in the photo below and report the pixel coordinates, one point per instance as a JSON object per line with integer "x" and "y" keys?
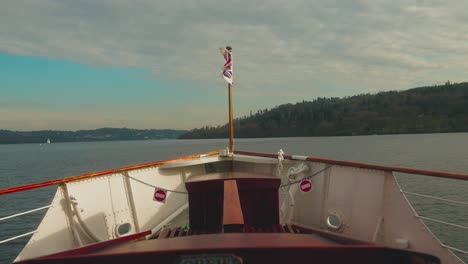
{"x": 101, "y": 134}
{"x": 440, "y": 108}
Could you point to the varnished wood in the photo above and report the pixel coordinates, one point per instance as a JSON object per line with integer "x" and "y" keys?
{"x": 211, "y": 200}
{"x": 231, "y": 130}
{"x": 98, "y": 174}
{"x": 232, "y": 211}
{"x": 440, "y": 174}
{"x": 249, "y": 248}
{"x": 229, "y": 175}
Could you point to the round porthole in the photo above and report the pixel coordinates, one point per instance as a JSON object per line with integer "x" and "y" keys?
{"x": 123, "y": 229}
{"x": 334, "y": 221}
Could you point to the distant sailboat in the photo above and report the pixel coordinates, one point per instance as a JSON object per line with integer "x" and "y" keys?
{"x": 48, "y": 141}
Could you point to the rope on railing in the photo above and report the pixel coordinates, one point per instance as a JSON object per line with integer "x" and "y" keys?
{"x": 19, "y": 236}
{"x": 23, "y": 213}
{"x": 306, "y": 178}
{"x": 153, "y": 186}
{"x": 434, "y": 197}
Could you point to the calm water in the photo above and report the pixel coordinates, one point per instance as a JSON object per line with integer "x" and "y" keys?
{"x": 22, "y": 164}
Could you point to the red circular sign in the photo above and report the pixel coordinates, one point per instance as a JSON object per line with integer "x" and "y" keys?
{"x": 305, "y": 185}
{"x": 159, "y": 195}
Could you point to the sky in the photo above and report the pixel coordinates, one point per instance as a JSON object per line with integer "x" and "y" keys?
{"x": 151, "y": 64}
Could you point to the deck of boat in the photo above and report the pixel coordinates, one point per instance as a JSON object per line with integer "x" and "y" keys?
{"x": 238, "y": 248}
{"x": 234, "y": 218}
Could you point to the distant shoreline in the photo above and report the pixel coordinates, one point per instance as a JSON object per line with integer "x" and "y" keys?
{"x": 424, "y": 110}
{"x": 101, "y": 134}
{"x": 225, "y": 138}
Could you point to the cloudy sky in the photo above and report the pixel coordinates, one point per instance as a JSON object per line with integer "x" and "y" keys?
{"x": 78, "y": 64}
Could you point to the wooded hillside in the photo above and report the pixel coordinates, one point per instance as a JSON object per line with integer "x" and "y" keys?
{"x": 442, "y": 108}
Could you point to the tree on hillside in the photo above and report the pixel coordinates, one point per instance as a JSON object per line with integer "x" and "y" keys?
{"x": 442, "y": 108}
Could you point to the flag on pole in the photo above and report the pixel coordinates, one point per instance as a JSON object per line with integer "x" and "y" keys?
{"x": 227, "y": 68}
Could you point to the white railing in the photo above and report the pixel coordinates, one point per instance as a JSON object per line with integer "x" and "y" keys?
{"x": 440, "y": 221}
{"x": 434, "y": 197}
{"x": 20, "y": 214}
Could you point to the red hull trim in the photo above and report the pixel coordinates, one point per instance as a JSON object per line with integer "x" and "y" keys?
{"x": 97, "y": 174}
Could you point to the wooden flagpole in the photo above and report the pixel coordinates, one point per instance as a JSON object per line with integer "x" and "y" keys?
{"x": 231, "y": 130}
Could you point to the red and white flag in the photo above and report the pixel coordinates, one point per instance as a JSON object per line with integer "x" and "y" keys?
{"x": 227, "y": 68}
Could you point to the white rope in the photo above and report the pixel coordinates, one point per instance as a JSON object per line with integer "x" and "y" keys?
{"x": 434, "y": 197}
{"x": 83, "y": 226}
{"x": 306, "y": 178}
{"x": 153, "y": 186}
{"x": 280, "y": 162}
{"x": 23, "y": 213}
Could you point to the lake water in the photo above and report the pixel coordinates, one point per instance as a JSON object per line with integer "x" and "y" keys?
{"x": 28, "y": 163}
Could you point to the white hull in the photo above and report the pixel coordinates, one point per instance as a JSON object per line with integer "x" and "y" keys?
{"x": 367, "y": 203}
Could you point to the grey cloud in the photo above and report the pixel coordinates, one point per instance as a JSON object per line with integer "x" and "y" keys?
{"x": 382, "y": 44}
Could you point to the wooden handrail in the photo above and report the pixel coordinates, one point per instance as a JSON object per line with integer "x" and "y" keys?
{"x": 449, "y": 175}
{"x": 97, "y": 174}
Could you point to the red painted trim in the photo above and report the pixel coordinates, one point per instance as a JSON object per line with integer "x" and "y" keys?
{"x": 339, "y": 238}
{"x": 97, "y": 174}
{"x": 458, "y": 176}
{"x": 98, "y": 246}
